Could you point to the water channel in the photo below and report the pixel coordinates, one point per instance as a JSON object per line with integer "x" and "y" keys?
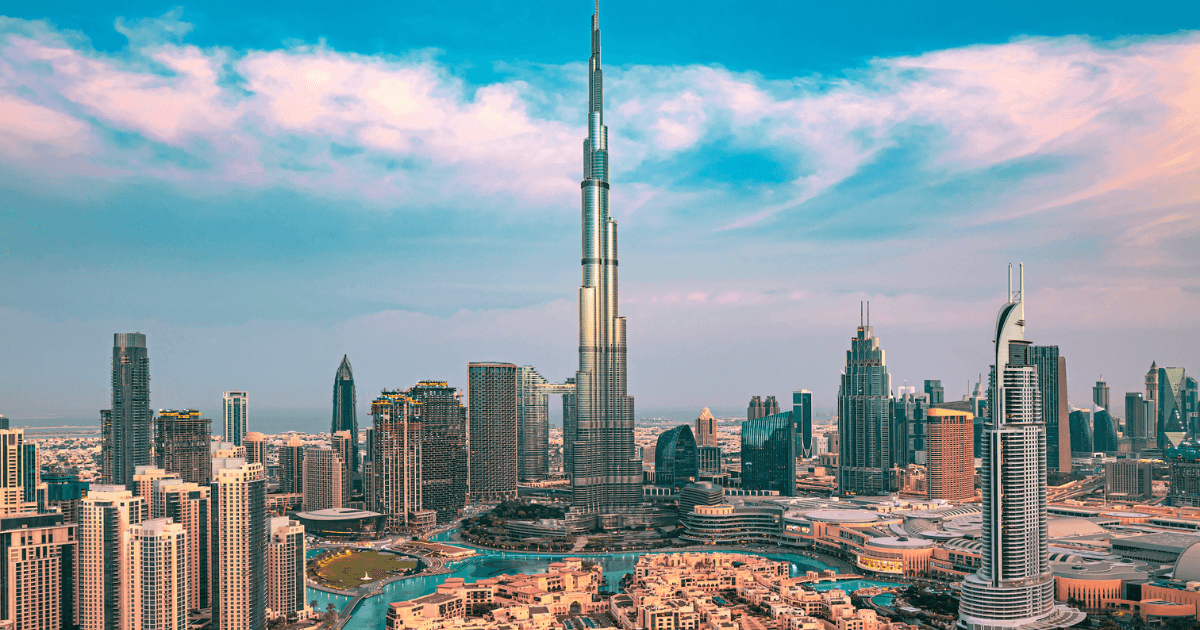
{"x": 371, "y": 613}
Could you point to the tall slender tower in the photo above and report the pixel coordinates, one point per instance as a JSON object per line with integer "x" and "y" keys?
{"x": 1014, "y": 586}
{"x": 126, "y": 426}
{"x": 866, "y": 456}
{"x": 604, "y": 471}
{"x": 237, "y": 416}
{"x": 344, "y": 414}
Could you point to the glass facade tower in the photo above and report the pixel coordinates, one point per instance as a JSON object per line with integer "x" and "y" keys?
{"x": 604, "y": 470}
{"x": 675, "y": 463}
{"x": 345, "y": 417}
{"x": 126, "y": 426}
{"x": 1052, "y": 382}
{"x": 236, "y": 407}
{"x": 865, "y": 418}
{"x": 769, "y": 454}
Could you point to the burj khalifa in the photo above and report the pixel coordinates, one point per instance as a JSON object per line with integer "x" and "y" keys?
{"x": 603, "y": 470}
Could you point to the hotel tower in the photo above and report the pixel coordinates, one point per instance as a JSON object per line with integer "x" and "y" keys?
{"x": 604, "y": 473}
{"x": 1014, "y": 587}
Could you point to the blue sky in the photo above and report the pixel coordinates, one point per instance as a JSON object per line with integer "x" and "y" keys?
{"x": 262, "y": 188}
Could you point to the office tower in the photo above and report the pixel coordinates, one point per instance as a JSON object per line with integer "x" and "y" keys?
{"x": 443, "y": 448}
{"x": 492, "y": 410}
{"x": 769, "y": 454}
{"x": 865, "y": 418}
{"x": 533, "y": 425}
{"x": 239, "y": 544}
{"x": 1184, "y": 465}
{"x": 1104, "y": 432}
{"x": 126, "y": 426}
{"x": 802, "y": 416}
{"x": 908, "y": 427}
{"x": 709, "y": 460}
{"x": 937, "y": 393}
{"x": 345, "y": 414}
{"x": 236, "y": 412}
{"x": 1052, "y": 382}
{"x": 285, "y": 568}
{"x": 1152, "y": 406}
{"x": 324, "y": 479}
{"x": 706, "y": 428}
{"x": 255, "y": 444}
{"x": 1191, "y": 405}
{"x": 1129, "y": 480}
{"x": 13, "y": 469}
{"x": 181, "y": 444}
{"x": 604, "y": 472}
{"x": 1014, "y": 586}
{"x": 675, "y": 458}
{"x": 1081, "y": 431}
{"x": 1135, "y": 417}
{"x": 105, "y": 517}
{"x": 770, "y": 406}
{"x": 1101, "y": 394}
{"x": 159, "y": 572}
{"x": 189, "y": 505}
{"x": 754, "y": 410}
{"x": 700, "y": 493}
{"x": 37, "y": 572}
{"x": 291, "y": 465}
{"x": 3, "y": 422}
{"x": 392, "y": 472}
{"x": 32, "y": 487}
{"x": 64, "y": 491}
{"x": 951, "y": 459}
{"x": 1172, "y": 416}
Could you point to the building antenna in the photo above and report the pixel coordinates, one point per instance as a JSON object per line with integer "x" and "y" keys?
{"x": 868, "y": 312}
{"x": 860, "y": 314}
{"x": 1009, "y": 282}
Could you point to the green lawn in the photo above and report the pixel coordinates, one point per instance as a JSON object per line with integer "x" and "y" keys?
{"x": 346, "y": 571}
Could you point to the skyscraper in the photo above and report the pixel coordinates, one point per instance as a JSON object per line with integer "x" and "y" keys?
{"x": 291, "y": 465}
{"x": 255, "y": 444}
{"x": 285, "y": 568}
{"x": 1101, "y": 394}
{"x": 769, "y": 454}
{"x": 345, "y": 416}
{"x": 754, "y": 410}
{"x": 492, "y": 411}
{"x": 443, "y": 421}
{"x": 1152, "y": 407}
{"x": 706, "y": 428}
{"x": 1052, "y": 383}
{"x": 343, "y": 444}
{"x": 392, "y": 474}
{"x": 126, "y": 426}
{"x": 13, "y": 469}
{"x": 1172, "y": 411}
{"x": 937, "y": 393}
{"x": 181, "y": 444}
{"x": 865, "y": 418}
{"x": 189, "y": 505}
{"x": 159, "y": 572}
{"x": 32, "y": 488}
{"x": 1014, "y": 586}
{"x": 951, "y": 461}
{"x": 1129, "y": 480}
{"x": 236, "y": 410}
{"x": 675, "y": 458}
{"x": 324, "y": 479}
{"x": 533, "y": 425}
{"x": 1104, "y": 432}
{"x": 802, "y": 416}
{"x": 1136, "y": 410}
{"x": 239, "y": 549}
{"x": 143, "y": 485}
{"x": 105, "y": 517}
{"x": 605, "y": 472}
{"x": 37, "y": 572}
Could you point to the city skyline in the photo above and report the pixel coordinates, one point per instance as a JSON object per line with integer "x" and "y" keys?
{"x": 782, "y": 267}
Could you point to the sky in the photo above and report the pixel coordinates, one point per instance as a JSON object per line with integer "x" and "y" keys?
{"x": 264, "y": 187}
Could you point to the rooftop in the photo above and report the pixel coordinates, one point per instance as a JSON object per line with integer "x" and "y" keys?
{"x": 831, "y": 515}
{"x": 336, "y": 514}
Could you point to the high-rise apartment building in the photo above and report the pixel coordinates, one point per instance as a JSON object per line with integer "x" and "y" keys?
{"x": 14, "y": 469}
{"x": 64, "y": 491}
{"x": 1014, "y": 586}
{"x": 951, "y": 459}
{"x": 239, "y": 544}
{"x": 392, "y": 471}
{"x": 802, "y": 416}
{"x": 291, "y": 465}
{"x": 1052, "y": 383}
{"x": 769, "y": 454}
{"x": 37, "y": 572}
{"x": 937, "y": 393}
{"x": 189, "y": 505}
{"x": 533, "y": 425}
{"x": 492, "y": 410}
{"x": 444, "y": 473}
{"x": 908, "y": 427}
{"x": 255, "y": 444}
{"x": 126, "y": 426}
{"x": 181, "y": 444}
{"x": 1129, "y": 480}
{"x": 604, "y": 472}
{"x": 285, "y": 569}
{"x": 675, "y": 458}
{"x": 706, "y": 428}
{"x": 324, "y": 479}
{"x": 143, "y": 485}
{"x": 32, "y": 487}
{"x": 1101, "y": 394}
{"x": 236, "y": 411}
{"x": 345, "y": 414}
{"x": 343, "y": 444}
{"x": 104, "y": 575}
{"x": 159, "y": 575}
{"x": 865, "y": 418}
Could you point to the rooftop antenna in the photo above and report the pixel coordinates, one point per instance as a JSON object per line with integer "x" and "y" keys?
{"x": 1021, "y": 271}
{"x": 868, "y": 312}
{"x": 860, "y": 314}
{"x": 1009, "y": 282}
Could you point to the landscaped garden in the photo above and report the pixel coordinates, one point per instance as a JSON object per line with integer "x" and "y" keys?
{"x": 345, "y": 570}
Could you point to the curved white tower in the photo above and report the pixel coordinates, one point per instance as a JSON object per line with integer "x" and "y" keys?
{"x": 1014, "y": 587}
{"x": 603, "y": 470}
